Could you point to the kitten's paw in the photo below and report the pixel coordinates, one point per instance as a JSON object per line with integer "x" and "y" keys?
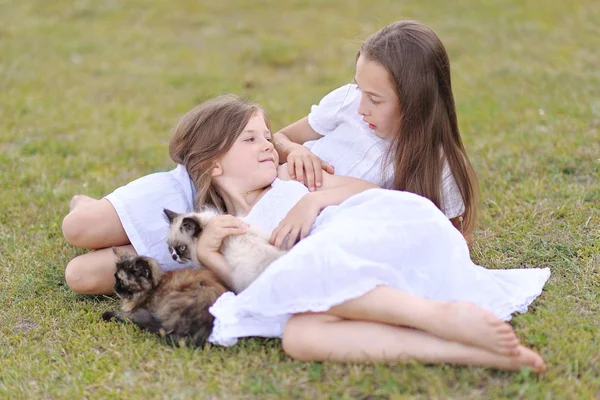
{"x": 110, "y": 316}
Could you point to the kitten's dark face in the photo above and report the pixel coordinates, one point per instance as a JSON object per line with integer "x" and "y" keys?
{"x": 181, "y": 252}
{"x": 133, "y": 276}
{"x": 183, "y": 234}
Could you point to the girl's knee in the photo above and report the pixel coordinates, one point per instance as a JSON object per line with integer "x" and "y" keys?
{"x": 78, "y": 278}
{"x": 95, "y": 225}
{"x": 294, "y": 342}
{"x": 301, "y": 336}
{"x": 74, "y": 275}
{"x": 73, "y": 229}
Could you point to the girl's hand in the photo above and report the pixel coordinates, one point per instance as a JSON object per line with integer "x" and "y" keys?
{"x": 305, "y": 167}
{"x": 296, "y": 225}
{"x": 217, "y": 229}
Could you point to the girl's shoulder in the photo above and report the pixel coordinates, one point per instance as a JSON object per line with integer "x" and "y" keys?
{"x": 342, "y": 96}
{"x": 339, "y": 104}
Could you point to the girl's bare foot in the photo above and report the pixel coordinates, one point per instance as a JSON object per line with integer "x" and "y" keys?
{"x": 525, "y": 358}
{"x": 469, "y": 324}
{"x": 79, "y": 199}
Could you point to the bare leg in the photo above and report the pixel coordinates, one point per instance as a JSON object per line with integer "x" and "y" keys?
{"x": 454, "y": 321}
{"x": 93, "y": 273}
{"x": 321, "y": 337}
{"x": 93, "y": 224}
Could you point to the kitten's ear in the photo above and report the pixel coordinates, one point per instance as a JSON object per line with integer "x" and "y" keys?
{"x": 143, "y": 268}
{"x": 170, "y": 215}
{"x": 120, "y": 253}
{"x": 191, "y": 226}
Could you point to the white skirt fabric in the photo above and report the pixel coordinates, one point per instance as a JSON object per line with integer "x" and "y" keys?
{"x": 378, "y": 237}
{"x": 140, "y": 205}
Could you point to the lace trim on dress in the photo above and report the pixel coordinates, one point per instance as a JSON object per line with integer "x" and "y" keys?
{"x": 520, "y": 303}
{"x": 228, "y": 337}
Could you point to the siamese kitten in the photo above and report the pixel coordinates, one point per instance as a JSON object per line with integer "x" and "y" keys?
{"x": 172, "y": 304}
{"x": 248, "y": 254}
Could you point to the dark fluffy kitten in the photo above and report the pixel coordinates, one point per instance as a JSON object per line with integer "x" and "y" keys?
{"x": 172, "y": 304}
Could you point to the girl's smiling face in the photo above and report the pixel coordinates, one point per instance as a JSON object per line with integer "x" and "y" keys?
{"x": 251, "y": 163}
{"x": 379, "y": 104}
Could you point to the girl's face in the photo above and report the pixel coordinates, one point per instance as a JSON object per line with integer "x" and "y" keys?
{"x": 379, "y": 103}
{"x": 252, "y": 161}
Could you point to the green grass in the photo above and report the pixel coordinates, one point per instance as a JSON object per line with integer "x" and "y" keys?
{"x": 90, "y": 90}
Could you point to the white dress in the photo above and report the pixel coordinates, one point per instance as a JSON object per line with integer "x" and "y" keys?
{"x": 140, "y": 204}
{"x": 378, "y": 237}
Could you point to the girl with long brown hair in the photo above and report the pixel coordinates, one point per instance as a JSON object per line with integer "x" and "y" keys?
{"x": 396, "y": 126}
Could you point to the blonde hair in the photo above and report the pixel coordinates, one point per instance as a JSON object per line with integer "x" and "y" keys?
{"x": 203, "y": 135}
{"x": 420, "y": 68}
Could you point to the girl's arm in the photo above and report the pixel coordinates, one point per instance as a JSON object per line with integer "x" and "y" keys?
{"x": 216, "y": 263}
{"x": 303, "y": 165}
{"x": 293, "y": 135}
{"x": 338, "y": 188}
{"x": 335, "y": 188}
{"x": 207, "y": 250}
{"x": 344, "y": 187}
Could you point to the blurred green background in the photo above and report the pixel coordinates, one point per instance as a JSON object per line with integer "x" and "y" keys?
{"x": 89, "y": 92}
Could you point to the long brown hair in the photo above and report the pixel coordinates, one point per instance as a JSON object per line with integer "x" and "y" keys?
{"x": 419, "y": 65}
{"x": 205, "y": 134}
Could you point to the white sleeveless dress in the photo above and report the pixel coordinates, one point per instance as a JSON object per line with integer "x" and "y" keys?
{"x": 378, "y": 237}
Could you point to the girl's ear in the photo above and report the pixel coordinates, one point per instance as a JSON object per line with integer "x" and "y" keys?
{"x": 217, "y": 170}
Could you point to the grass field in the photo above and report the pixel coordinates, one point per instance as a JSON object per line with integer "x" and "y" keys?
{"x": 90, "y": 90}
